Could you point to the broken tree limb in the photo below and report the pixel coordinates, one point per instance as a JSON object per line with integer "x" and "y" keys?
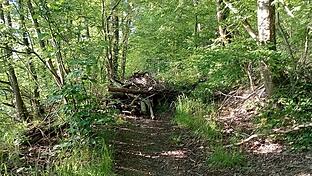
{"x": 253, "y": 34}
{"x": 275, "y": 132}
{"x": 129, "y": 91}
{"x": 5, "y": 82}
{"x": 293, "y": 129}
{"x": 245, "y": 140}
{"x": 139, "y": 94}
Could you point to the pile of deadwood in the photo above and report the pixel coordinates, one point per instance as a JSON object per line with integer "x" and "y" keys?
{"x": 139, "y": 94}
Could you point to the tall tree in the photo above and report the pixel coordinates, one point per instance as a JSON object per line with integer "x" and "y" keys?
{"x": 111, "y": 31}
{"x": 42, "y": 43}
{"x": 126, "y": 22}
{"x": 21, "y": 110}
{"x": 26, "y": 41}
{"x": 266, "y": 36}
{"x": 266, "y": 22}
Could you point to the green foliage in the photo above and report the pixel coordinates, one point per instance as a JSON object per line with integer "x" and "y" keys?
{"x": 163, "y": 41}
{"x": 199, "y": 118}
{"x": 82, "y": 110}
{"x": 290, "y": 107}
{"x": 85, "y": 161}
{"x": 164, "y": 33}
{"x": 300, "y": 140}
{"x": 193, "y": 114}
{"x": 222, "y": 158}
{"x": 11, "y": 136}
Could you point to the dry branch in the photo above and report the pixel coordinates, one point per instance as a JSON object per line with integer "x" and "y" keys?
{"x": 244, "y": 140}
{"x": 253, "y": 34}
{"x": 275, "y": 132}
{"x": 129, "y": 91}
{"x": 138, "y": 94}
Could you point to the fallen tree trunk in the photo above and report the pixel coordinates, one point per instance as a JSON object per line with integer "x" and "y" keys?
{"x": 138, "y": 95}
{"x": 130, "y": 91}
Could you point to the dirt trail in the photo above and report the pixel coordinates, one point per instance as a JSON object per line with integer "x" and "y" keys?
{"x": 150, "y": 147}
{"x": 145, "y": 147}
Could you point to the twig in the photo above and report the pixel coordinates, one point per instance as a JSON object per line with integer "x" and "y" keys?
{"x": 285, "y": 37}
{"x": 275, "y": 131}
{"x": 241, "y": 97}
{"x": 294, "y": 128}
{"x": 5, "y": 82}
{"x": 245, "y": 140}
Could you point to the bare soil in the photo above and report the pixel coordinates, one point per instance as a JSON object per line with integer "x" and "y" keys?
{"x": 145, "y": 147}
{"x": 155, "y": 147}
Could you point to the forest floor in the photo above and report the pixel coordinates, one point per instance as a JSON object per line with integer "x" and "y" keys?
{"x": 158, "y": 147}
{"x": 155, "y": 147}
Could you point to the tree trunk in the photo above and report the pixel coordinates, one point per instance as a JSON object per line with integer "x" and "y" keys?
{"x": 22, "y": 112}
{"x": 266, "y": 23}
{"x": 266, "y": 36}
{"x": 106, "y": 33}
{"x": 221, "y": 16}
{"x": 115, "y": 27}
{"x": 197, "y": 25}
{"x": 125, "y": 40}
{"x": 36, "y": 100}
{"x": 56, "y": 44}
{"x": 111, "y": 32}
{"x": 19, "y": 103}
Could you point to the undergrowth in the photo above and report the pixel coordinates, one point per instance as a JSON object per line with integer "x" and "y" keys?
{"x": 289, "y": 108}
{"x": 192, "y": 114}
{"x": 85, "y": 160}
{"x": 199, "y": 118}
{"x": 221, "y": 158}
{"x": 80, "y": 148}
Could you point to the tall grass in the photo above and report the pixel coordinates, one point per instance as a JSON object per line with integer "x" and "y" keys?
{"x": 198, "y": 117}
{"x": 84, "y": 161}
{"x": 222, "y": 158}
{"x": 11, "y": 136}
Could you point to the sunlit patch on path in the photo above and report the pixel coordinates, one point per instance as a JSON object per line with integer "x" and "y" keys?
{"x": 147, "y": 147}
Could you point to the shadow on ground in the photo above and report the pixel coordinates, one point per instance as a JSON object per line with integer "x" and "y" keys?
{"x": 153, "y": 147}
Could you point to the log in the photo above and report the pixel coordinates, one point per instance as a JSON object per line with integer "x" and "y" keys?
{"x": 130, "y": 91}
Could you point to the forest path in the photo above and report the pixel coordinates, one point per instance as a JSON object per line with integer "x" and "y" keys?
{"x": 154, "y": 147}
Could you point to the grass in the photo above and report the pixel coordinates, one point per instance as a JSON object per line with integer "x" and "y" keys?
{"x": 199, "y": 118}
{"x": 11, "y": 136}
{"x": 192, "y": 114}
{"x": 222, "y": 158}
{"x": 84, "y": 161}
{"x": 71, "y": 158}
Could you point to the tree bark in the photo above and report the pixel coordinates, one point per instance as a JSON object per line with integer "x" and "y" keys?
{"x": 56, "y": 44}
{"x": 111, "y": 32}
{"x": 267, "y": 36}
{"x": 221, "y": 16}
{"x": 125, "y": 40}
{"x": 196, "y": 25}
{"x": 266, "y": 22}
{"x": 107, "y": 39}
{"x": 26, "y": 41}
{"x": 252, "y": 33}
{"x": 115, "y": 41}
{"x": 21, "y": 110}
{"x": 130, "y": 91}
